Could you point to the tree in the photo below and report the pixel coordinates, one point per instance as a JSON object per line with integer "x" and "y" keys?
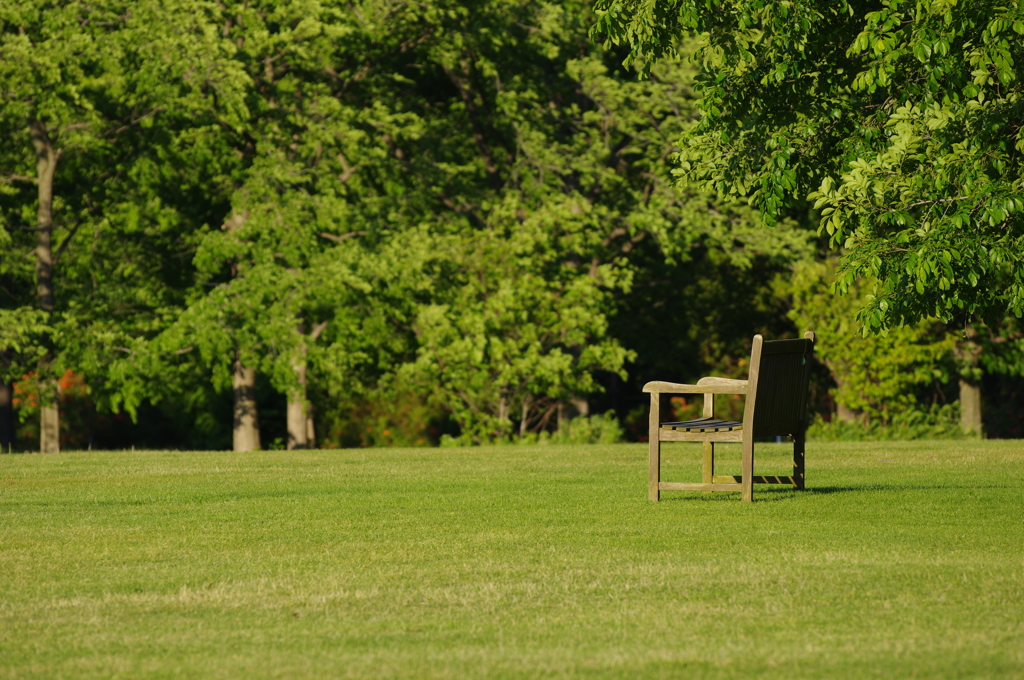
{"x": 47, "y": 58}
{"x": 299, "y": 208}
{"x": 384, "y": 176}
{"x": 996, "y": 349}
{"x": 900, "y": 120}
{"x": 498, "y": 161}
{"x": 288, "y": 137}
{"x": 566, "y": 154}
{"x": 322, "y": 199}
{"x": 506, "y": 344}
{"x": 876, "y": 376}
{"x": 118, "y": 94}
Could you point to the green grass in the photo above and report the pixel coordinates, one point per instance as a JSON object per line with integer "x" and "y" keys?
{"x": 901, "y": 560}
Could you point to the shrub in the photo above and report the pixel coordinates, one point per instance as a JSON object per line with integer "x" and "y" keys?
{"x": 595, "y": 429}
{"x": 938, "y": 422}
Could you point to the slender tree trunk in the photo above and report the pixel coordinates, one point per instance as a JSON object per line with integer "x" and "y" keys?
{"x": 246, "y": 435}
{"x": 968, "y": 350}
{"x": 301, "y": 430}
{"x": 6, "y": 416}
{"x": 523, "y": 420}
{"x": 970, "y": 407}
{"x": 46, "y": 166}
{"x": 298, "y": 413}
{"x": 503, "y": 405}
{"x": 49, "y": 428}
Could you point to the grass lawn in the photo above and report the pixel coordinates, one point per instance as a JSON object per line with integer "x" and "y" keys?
{"x": 901, "y": 560}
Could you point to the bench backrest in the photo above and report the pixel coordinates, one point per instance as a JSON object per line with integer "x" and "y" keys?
{"x": 777, "y": 400}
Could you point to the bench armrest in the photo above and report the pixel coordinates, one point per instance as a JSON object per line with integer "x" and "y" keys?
{"x": 724, "y": 382}
{"x": 719, "y": 386}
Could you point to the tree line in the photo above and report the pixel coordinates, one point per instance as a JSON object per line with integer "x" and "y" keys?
{"x": 445, "y": 219}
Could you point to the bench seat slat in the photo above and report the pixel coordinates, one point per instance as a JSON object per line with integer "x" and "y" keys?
{"x": 703, "y": 425}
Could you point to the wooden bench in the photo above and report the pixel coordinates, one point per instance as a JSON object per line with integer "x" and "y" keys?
{"x": 775, "y": 405}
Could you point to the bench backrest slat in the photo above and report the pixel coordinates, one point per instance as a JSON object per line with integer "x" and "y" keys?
{"x": 783, "y": 373}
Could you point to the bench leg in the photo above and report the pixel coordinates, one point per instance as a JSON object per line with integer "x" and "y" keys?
{"x": 747, "y": 490}
{"x": 798, "y": 461}
{"x": 709, "y": 447}
{"x": 709, "y": 464}
{"x": 654, "y": 448}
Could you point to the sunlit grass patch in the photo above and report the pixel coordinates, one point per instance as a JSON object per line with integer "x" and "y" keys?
{"x": 900, "y": 559}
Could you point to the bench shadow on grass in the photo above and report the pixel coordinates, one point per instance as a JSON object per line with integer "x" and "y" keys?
{"x": 762, "y": 493}
{"x": 885, "y": 487}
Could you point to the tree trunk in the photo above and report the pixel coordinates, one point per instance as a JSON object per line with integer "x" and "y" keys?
{"x": 524, "y": 420}
{"x": 49, "y": 428}
{"x": 6, "y": 416}
{"x": 575, "y": 407}
{"x": 310, "y": 429}
{"x": 246, "y": 435}
{"x": 298, "y": 412}
{"x": 46, "y": 166}
{"x": 970, "y": 407}
{"x": 845, "y": 413}
{"x": 968, "y": 351}
{"x": 581, "y": 405}
{"x": 503, "y": 405}
{"x": 301, "y": 430}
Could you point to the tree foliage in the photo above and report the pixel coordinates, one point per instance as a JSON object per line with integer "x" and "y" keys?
{"x": 876, "y": 376}
{"x": 900, "y": 120}
{"x": 466, "y": 204}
